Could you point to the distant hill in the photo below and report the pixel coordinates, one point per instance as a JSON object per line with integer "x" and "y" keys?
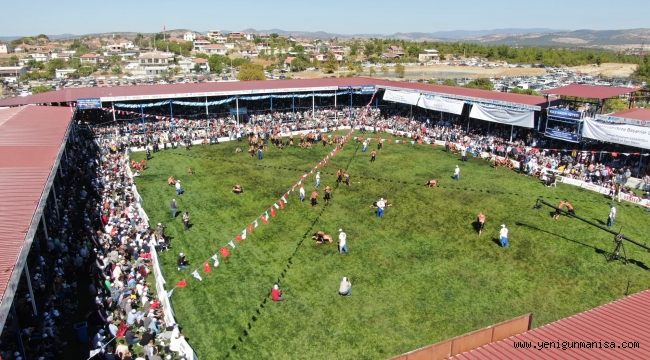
{"x": 579, "y": 38}
{"x": 507, "y": 36}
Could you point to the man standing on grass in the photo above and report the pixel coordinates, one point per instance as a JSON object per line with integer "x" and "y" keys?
{"x": 457, "y": 173}
{"x": 343, "y": 243}
{"x": 503, "y": 236}
{"x": 612, "y": 216}
{"x": 381, "y": 204}
{"x": 463, "y": 153}
{"x": 373, "y": 155}
{"x": 186, "y": 220}
{"x": 317, "y": 179}
{"x": 302, "y": 193}
{"x": 328, "y": 194}
{"x": 314, "y": 198}
{"x": 174, "y": 208}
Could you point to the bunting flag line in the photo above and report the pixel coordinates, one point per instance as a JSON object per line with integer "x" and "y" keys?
{"x": 255, "y": 224}
{"x": 181, "y": 283}
{"x": 231, "y": 244}
{"x": 273, "y": 211}
{"x": 196, "y": 274}
{"x": 243, "y": 234}
{"x": 250, "y": 228}
{"x": 265, "y": 217}
{"x": 206, "y": 267}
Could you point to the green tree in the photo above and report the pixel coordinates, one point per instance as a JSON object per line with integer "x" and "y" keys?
{"x": 400, "y": 70}
{"x": 372, "y": 71}
{"x": 330, "y": 65}
{"x": 384, "y": 69}
{"x": 450, "y": 82}
{"x": 40, "y": 89}
{"x": 116, "y": 70}
{"x": 480, "y": 83}
{"x": 300, "y": 63}
{"x": 54, "y": 64}
{"x": 251, "y": 72}
{"x": 524, "y": 91}
{"x": 218, "y": 63}
{"x": 614, "y": 105}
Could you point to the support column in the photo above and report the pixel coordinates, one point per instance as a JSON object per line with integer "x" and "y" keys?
{"x": 313, "y": 105}
{"x": 56, "y": 201}
{"x": 237, "y": 108}
{"x": 44, "y": 227}
{"x": 171, "y": 111}
{"x": 31, "y": 290}
{"x": 350, "y": 110}
{"x": 512, "y": 129}
{"x": 336, "y": 111}
{"x": 207, "y": 113}
{"x": 271, "y": 97}
{"x": 293, "y": 106}
{"x": 113, "y": 107}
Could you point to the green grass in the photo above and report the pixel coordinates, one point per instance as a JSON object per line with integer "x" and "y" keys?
{"x": 420, "y": 275}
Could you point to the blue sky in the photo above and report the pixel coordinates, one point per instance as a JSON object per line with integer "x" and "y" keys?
{"x": 29, "y": 17}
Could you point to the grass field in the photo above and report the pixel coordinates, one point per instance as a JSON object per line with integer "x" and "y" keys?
{"x": 420, "y": 275}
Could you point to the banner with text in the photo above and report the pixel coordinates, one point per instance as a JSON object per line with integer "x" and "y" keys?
{"x": 503, "y": 116}
{"x": 438, "y": 103}
{"x": 404, "y": 97}
{"x": 625, "y": 134}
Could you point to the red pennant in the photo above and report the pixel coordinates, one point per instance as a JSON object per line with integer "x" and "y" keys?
{"x": 206, "y": 267}
{"x": 265, "y": 220}
{"x": 250, "y": 228}
{"x": 281, "y": 204}
{"x": 238, "y": 237}
{"x": 224, "y": 251}
{"x": 181, "y": 283}
{"x": 273, "y": 211}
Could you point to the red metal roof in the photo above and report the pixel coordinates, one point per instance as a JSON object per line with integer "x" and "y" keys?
{"x": 637, "y": 114}
{"x": 620, "y": 321}
{"x": 72, "y": 94}
{"x": 590, "y": 91}
{"x": 30, "y": 141}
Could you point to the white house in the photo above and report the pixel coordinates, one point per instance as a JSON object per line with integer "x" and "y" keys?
{"x": 189, "y": 36}
{"x": 429, "y": 55}
{"x": 4, "y": 49}
{"x": 63, "y": 73}
{"x": 199, "y": 45}
{"x": 203, "y": 64}
{"x": 39, "y": 57}
{"x": 212, "y": 34}
{"x": 215, "y": 49}
{"x": 89, "y": 59}
{"x": 156, "y": 58}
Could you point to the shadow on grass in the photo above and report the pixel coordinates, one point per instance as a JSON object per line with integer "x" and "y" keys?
{"x": 599, "y": 251}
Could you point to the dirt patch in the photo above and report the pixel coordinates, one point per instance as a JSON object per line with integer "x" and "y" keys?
{"x": 607, "y": 69}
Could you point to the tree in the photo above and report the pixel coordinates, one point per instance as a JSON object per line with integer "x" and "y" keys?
{"x": 300, "y": 63}
{"x": 218, "y": 63}
{"x": 480, "y": 83}
{"x": 330, "y": 65}
{"x": 450, "y": 82}
{"x": 372, "y": 71}
{"x": 524, "y": 91}
{"x": 598, "y": 61}
{"x": 251, "y": 72}
{"x": 54, "y": 64}
{"x": 116, "y": 70}
{"x": 400, "y": 70}
{"x": 614, "y": 105}
{"x": 40, "y": 89}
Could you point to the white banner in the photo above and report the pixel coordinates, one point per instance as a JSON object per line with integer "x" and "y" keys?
{"x": 503, "y": 116}
{"x": 442, "y": 104}
{"x": 404, "y": 97}
{"x": 625, "y": 134}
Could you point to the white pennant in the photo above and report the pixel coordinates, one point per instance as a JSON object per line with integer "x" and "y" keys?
{"x": 215, "y": 257}
{"x": 197, "y": 275}
{"x": 232, "y": 244}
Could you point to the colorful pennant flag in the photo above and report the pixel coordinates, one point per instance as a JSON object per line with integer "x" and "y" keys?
{"x": 243, "y": 234}
{"x": 265, "y": 217}
{"x": 273, "y": 213}
{"x": 215, "y": 258}
{"x": 224, "y": 251}
{"x": 181, "y": 283}
{"x": 197, "y": 275}
{"x": 206, "y": 267}
{"x": 231, "y": 244}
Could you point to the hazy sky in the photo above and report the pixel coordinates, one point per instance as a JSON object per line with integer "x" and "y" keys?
{"x": 30, "y": 17}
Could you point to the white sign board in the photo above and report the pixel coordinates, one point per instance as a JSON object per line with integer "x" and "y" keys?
{"x": 503, "y": 116}
{"x": 442, "y": 104}
{"x": 625, "y": 134}
{"x": 404, "y": 97}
